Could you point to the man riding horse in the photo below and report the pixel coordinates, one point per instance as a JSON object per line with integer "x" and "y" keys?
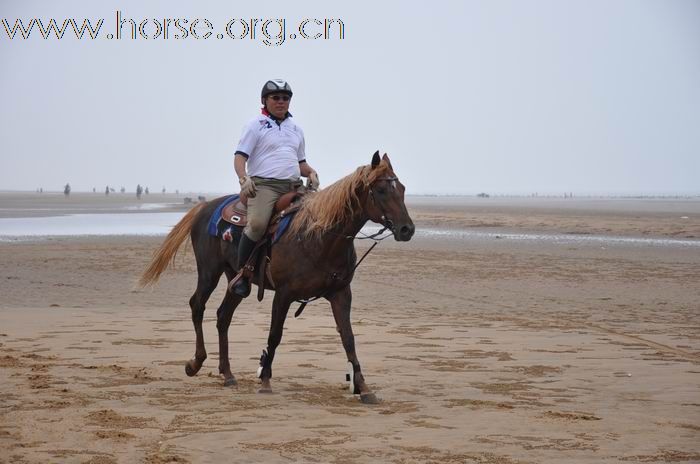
{"x": 314, "y": 258}
{"x": 269, "y": 160}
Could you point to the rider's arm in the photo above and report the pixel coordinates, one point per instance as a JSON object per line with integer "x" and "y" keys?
{"x": 246, "y": 145}
{"x": 239, "y": 165}
{"x": 305, "y": 169}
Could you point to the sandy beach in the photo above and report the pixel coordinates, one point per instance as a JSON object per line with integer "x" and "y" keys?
{"x": 486, "y": 351}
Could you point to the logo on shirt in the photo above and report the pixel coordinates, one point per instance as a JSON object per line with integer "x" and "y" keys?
{"x": 265, "y": 124}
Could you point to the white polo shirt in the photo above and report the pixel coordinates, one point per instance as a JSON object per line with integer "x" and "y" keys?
{"x": 273, "y": 150}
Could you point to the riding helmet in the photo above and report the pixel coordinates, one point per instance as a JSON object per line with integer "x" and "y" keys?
{"x": 275, "y": 86}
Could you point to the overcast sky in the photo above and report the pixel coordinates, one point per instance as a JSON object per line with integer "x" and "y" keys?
{"x": 465, "y": 96}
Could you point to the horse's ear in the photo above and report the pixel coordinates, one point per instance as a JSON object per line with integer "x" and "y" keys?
{"x": 375, "y": 159}
{"x": 386, "y": 159}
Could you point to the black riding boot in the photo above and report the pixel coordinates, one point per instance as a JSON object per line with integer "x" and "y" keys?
{"x": 245, "y": 248}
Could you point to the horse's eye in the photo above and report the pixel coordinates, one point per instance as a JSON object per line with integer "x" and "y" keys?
{"x": 381, "y": 190}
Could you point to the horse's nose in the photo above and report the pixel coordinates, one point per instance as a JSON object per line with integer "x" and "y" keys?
{"x": 406, "y": 232}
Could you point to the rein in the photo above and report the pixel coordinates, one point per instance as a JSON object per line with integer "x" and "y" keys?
{"x": 387, "y": 225}
{"x": 371, "y": 237}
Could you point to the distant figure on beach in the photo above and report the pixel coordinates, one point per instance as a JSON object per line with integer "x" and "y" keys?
{"x": 66, "y": 190}
{"x": 122, "y": 189}
{"x": 94, "y": 190}
{"x": 147, "y": 191}
{"x": 107, "y": 190}
{"x": 139, "y": 191}
{"x": 163, "y": 192}
{"x": 41, "y": 189}
{"x": 177, "y": 192}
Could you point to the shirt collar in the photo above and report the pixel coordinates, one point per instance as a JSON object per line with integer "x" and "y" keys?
{"x": 278, "y": 121}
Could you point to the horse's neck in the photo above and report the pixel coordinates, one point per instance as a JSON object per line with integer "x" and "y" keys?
{"x": 343, "y": 234}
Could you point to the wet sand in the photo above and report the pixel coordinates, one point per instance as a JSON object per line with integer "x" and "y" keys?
{"x": 652, "y": 217}
{"x": 488, "y": 352}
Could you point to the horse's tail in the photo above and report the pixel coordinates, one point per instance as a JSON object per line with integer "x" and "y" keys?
{"x": 165, "y": 255}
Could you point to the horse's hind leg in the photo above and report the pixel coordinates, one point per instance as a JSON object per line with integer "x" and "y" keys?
{"x": 223, "y": 321}
{"x": 340, "y": 302}
{"x": 280, "y": 307}
{"x": 206, "y": 283}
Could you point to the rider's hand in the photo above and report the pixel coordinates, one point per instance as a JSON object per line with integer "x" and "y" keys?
{"x": 313, "y": 181}
{"x": 247, "y": 187}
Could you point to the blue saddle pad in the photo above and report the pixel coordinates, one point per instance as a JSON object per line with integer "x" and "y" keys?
{"x": 232, "y": 233}
{"x": 284, "y": 223}
{"x": 215, "y": 218}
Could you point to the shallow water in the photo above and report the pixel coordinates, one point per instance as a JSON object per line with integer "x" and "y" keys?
{"x": 88, "y": 224}
{"x": 560, "y": 239}
{"x": 159, "y": 224}
{"x": 74, "y": 208}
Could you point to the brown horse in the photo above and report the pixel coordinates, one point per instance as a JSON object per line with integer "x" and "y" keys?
{"x": 315, "y": 257}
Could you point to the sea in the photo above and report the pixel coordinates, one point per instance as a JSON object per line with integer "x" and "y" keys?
{"x": 147, "y": 219}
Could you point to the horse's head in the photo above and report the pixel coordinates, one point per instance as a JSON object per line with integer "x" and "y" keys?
{"x": 385, "y": 200}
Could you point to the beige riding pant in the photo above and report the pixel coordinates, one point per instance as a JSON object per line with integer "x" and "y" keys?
{"x": 261, "y": 206}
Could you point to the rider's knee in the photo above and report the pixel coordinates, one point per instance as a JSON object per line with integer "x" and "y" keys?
{"x": 256, "y": 229}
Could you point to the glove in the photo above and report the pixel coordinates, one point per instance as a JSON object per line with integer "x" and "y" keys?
{"x": 247, "y": 187}
{"x": 313, "y": 181}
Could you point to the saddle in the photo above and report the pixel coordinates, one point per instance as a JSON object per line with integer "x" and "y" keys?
{"x": 236, "y": 213}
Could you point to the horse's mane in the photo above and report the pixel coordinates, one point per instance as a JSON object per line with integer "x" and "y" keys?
{"x": 336, "y": 203}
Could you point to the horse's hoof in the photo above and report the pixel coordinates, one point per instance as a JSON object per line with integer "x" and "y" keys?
{"x": 369, "y": 398}
{"x": 265, "y": 390}
{"x": 191, "y": 370}
{"x": 230, "y": 382}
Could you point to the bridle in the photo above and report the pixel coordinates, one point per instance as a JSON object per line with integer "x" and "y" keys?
{"x": 386, "y": 222}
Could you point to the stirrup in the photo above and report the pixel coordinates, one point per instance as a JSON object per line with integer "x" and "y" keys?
{"x": 241, "y": 288}
{"x": 240, "y": 285}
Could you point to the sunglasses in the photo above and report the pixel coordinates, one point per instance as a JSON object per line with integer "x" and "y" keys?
{"x": 280, "y": 97}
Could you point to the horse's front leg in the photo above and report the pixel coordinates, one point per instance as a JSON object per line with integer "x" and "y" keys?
{"x": 223, "y": 321}
{"x": 280, "y": 307}
{"x": 341, "y": 302}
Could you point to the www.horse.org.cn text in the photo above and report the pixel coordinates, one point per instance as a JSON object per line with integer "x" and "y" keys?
{"x": 271, "y": 32}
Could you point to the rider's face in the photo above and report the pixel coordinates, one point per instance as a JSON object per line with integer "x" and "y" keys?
{"x": 277, "y": 104}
